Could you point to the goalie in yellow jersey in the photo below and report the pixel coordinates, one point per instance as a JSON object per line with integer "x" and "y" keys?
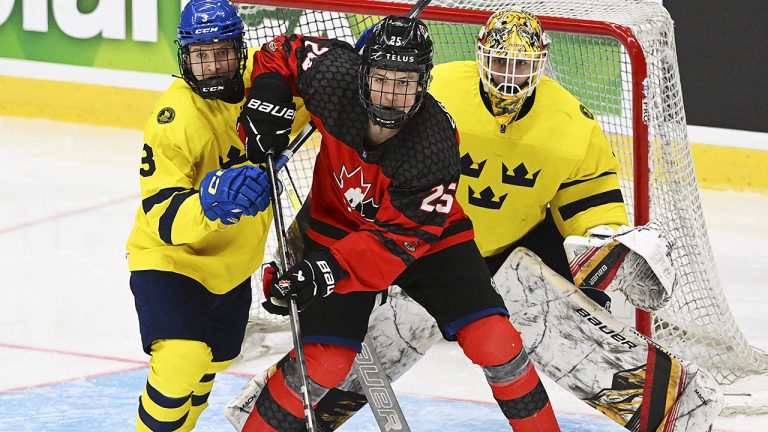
{"x": 538, "y": 174}
{"x": 200, "y": 231}
{"x": 536, "y": 167}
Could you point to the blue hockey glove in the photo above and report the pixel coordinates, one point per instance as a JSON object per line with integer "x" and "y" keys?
{"x": 314, "y": 277}
{"x": 227, "y": 194}
{"x": 266, "y": 118}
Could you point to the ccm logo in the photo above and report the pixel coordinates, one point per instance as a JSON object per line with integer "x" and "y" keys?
{"x": 605, "y": 329}
{"x": 272, "y": 109}
{"x": 207, "y": 30}
{"x": 212, "y": 89}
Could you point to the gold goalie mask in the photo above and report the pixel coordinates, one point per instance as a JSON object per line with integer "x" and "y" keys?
{"x": 511, "y": 55}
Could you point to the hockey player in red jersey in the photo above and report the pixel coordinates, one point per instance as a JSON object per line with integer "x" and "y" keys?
{"x": 383, "y": 212}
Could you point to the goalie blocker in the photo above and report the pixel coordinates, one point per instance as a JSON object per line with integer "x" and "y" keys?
{"x": 635, "y": 261}
{"x": 608, "y": 365}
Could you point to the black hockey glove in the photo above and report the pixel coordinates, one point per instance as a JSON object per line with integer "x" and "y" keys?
{"x": 316, "y": 276}
{"x": 266, "y": 118}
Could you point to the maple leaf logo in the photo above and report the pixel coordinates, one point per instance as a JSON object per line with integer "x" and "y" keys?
{"x": 355, "y": 189}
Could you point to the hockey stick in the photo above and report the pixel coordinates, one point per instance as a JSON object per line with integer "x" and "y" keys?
{"x": 293, "y": 310}
{"x": 367, "y": 366}
{"x": 370, "y": 373}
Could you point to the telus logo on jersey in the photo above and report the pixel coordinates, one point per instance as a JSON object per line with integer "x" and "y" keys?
{"x": 355, "y": 191}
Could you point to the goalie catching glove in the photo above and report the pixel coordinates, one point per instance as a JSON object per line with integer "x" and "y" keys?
{"x": 266, "y": 118}
{"x": 315, "y": 276}
{"x": 636, "y": 261}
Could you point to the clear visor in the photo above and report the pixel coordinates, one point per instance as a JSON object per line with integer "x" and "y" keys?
{"x": 509, "y": 74}
{"x": 218, "y": 59}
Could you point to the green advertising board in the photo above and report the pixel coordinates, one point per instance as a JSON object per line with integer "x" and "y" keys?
{"x": 134, "y": 35}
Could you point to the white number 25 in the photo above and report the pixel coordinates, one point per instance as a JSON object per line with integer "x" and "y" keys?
{"x": 439, "y": 200}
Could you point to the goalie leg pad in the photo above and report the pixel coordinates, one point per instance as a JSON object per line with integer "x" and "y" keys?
{"x": 401, "y": 330}
{"x": 591, "y": 354}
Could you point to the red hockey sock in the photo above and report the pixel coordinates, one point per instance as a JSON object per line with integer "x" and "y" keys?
{"x": 280, "y": 407}
{"x": 493, "y": 343}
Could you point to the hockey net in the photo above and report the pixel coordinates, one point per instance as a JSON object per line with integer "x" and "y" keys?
{"x": 618, "y": 57}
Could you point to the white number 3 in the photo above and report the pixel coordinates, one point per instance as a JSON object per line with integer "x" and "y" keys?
{"x": 439, "y": 200}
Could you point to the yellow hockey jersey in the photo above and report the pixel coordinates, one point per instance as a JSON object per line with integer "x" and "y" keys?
{"x": 556, "y": 155}
{"x": 185, "y": 138}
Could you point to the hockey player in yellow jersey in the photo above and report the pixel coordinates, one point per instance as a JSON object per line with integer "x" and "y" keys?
{"x": 536, "y": 167}
{"x": 203, "y": 221}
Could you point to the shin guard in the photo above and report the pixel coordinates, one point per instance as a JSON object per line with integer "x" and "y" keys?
{"x": 279, "y": 407}
{"x": 496, "y": 346}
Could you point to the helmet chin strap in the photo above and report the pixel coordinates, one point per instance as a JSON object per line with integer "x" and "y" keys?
{"x": 387, "y": 117}
{"x": 230, "y": 90}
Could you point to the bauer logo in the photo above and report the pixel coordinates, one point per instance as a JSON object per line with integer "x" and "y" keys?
{"x": 273, "y": 109}
{"x": 605, "y": 329}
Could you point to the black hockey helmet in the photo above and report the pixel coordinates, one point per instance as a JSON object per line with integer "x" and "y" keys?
{"x": 390, "y": 92}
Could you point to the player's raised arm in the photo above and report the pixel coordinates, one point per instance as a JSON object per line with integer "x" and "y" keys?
{"x": 269, "y": 110}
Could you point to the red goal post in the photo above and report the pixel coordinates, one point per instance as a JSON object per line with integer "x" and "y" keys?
{"x": 619, "y": 58}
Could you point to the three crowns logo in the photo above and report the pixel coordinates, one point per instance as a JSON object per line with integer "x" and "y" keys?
{"x": 487, "y": 198}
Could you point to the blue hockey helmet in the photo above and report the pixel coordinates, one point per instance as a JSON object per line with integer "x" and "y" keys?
{"x": 208, "y": 21}
{"x": 212, "y": 52}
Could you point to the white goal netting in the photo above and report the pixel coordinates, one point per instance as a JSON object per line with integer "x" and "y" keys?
{"x": 619, "y": 58}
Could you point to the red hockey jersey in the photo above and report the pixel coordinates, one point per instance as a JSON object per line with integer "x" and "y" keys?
{"x": 377, "y": 208}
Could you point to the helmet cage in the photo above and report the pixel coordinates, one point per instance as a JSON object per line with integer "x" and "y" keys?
{"x": 509, "y": 74}
{"x": 395, "y": 71}
{"x": 226, "y": 82}
{"x": 512, "y": 53}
